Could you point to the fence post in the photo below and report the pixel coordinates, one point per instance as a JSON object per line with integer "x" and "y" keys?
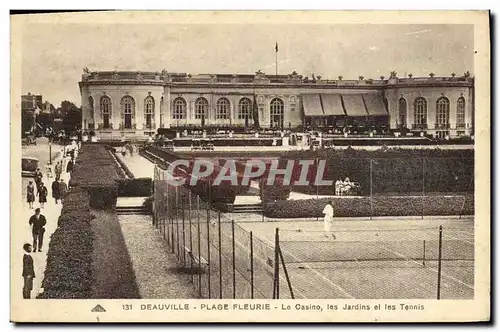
{"x": 276, "y": 283}
{"x": 251, "y": 266}
{"x": 288, "y": 281}
{"x": 177, "y": 222}
{"x": 191, "y": 237}
{"x": 208, "y": 255}
{"x": 440, "y": 249}
{"x": 183, "y": 232}
{"x": 423, "y": 186}
{"x": 220, "y": 256}
{"x": 234, "y": 259}
{"x": 199, "y": 247}
{"x": 371, "y": 190}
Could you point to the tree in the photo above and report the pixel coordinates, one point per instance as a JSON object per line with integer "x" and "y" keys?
{"x": 432, "y": 75}
{"x": 71, "y": 116}
{"x": 453, "y": 74}
{"x": 410, "y": 75}
{"x": 340, "y": 78}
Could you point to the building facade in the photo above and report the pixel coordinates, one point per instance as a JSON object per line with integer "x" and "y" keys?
{"x": 135, "y": 104}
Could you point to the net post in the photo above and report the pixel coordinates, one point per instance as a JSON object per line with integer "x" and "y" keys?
{"x": 251, "y": 266}
{"x": 220, "y": 255}
{"x": 371, "y": 190}
{"x": 234, "y": 259}
{"x": 423, "y": 260}
{"x": 199, "y": 246}
{"x": 183, "y": 232}
{"x": 286, "y": 273}
{"x": 316, "y": 185}
{"x": 440, "y": 250}
{"x": 177, "y": 222}
{"x": 208, "y": 255}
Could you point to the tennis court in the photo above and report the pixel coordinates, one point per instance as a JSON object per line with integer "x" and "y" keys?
{"x": 375, "y": 259}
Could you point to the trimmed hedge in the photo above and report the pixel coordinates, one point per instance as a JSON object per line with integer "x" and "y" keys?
{"x": 140, "y": 187}
{"x": 382, "y": 206}
{"x": 275, "y": 192}
{"x": 68, "y": 274}
{"x": 124, "y": 167}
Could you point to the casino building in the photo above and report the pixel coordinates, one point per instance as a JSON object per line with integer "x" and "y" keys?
{"x": 133, "y": 105}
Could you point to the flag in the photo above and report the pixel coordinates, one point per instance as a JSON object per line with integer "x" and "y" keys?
{"x": 276, "y": 47}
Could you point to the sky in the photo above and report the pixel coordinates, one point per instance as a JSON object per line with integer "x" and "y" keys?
{"x": 53, "y": 56}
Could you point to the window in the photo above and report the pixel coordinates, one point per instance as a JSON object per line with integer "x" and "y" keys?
{"x": 223, "y": 109}
{"x": 128, "y": 110}
{"x": 276, "y": 109}
{"x": 420, "y": 113}
{"x": 91, "y": 109}
{"x": 180, "y": 109}
{"x": 105, "y": 104}
{"x": 402, "y": 113}
{"x": 461, "y": 112}
{"x": 149, "y": 112}
{"x": 442, "y": 113}
{"x": 200, "y": 108}
{"x": 245, "y": 109}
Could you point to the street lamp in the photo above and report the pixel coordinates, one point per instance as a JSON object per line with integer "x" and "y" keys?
{"x": 50, "y": 153}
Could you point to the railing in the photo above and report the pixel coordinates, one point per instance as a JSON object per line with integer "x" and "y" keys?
{"x": 442, "y": 126}
{"x": 419, "y": 126}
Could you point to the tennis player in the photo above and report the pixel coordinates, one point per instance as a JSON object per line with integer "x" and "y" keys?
{"x": 328, "y": 212}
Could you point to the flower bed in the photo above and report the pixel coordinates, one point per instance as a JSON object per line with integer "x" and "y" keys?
{"x": 382, "y": 206}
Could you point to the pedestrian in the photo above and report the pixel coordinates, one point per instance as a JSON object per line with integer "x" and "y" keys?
{"x": 42, "y": 195}
{"x": 38, "y": 178}
{"x": 58, "y": 170}
{"x": 48, "y": 169}
{"x": 63, "y": 189}
{"x": 37, "y": 223}
{"x": 69, "y": 167}
{"x": 28, "y": 271}
{"x": 328, "y": 212}
{"x": 338, "y": 187}
{"x": 55, "y": 190}
{"x": 30, "y": 194}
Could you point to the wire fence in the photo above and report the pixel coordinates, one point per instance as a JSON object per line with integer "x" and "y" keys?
{"x": 223, "y": 259}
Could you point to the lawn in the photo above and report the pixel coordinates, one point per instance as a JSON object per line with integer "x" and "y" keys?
{"x": 114, "y": 276}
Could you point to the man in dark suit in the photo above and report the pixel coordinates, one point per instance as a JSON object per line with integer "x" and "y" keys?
{"x": 28, "y": 271}
{"x": 37, "y": 223}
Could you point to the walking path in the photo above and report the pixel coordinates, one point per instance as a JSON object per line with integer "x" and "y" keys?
{"x": 153, "y": 263}
{"x": 51, "y": 211}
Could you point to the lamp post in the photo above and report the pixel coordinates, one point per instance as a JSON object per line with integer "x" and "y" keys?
{"x": 50, "y": 153}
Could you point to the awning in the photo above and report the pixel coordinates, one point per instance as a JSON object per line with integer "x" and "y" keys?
{"x": 354, "y": 105}
{"x": 312, "y": 105}
{"x": 332, "y": 104}
{"x": 375, "y": 104}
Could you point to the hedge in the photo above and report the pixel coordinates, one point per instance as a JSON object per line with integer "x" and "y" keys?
{"x": 68, "y": 274}
{"x": 275, "y": 192}
{"x": 382, "y": 206}
{"x": 124, "y": 166}
{"x": 139, "y": 187}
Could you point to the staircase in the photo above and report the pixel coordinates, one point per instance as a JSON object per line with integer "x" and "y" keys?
{"x": 128, "y": 210}
{"x": 247, "y": 208}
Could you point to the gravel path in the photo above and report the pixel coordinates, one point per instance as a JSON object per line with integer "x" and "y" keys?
{"x": 153, "y": 263}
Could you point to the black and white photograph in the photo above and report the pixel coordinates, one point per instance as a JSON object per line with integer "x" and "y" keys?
{"x": 331, "y": 164}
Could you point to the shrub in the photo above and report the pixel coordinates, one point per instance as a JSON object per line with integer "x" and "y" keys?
{"x": 275, "y": 192}
{"x": 382, "y": 206}
{"x": 103, "y": 197}
{"x": 135, "y": 187}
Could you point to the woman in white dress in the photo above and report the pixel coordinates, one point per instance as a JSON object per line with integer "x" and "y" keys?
{"x": 328, "y": 212}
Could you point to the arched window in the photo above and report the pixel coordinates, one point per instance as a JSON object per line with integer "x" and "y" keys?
{"x": 91, "y": 110}
{"x": 201, "y": 108}
{"x": 461, "y": 112}
{"x": 128, "y": 111}
{"x": 402, "y": 113}
{"x": 276, "y": 110}
{"x": 420, "y": 113}
{"x": 179, "y": 111}
{"x": 442, "y": 113}
{"x": 245, "y": 111}
{"x": 149, "y": 112}
{"x": 105, "y": 105}
{"x": 223, "y": 110}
